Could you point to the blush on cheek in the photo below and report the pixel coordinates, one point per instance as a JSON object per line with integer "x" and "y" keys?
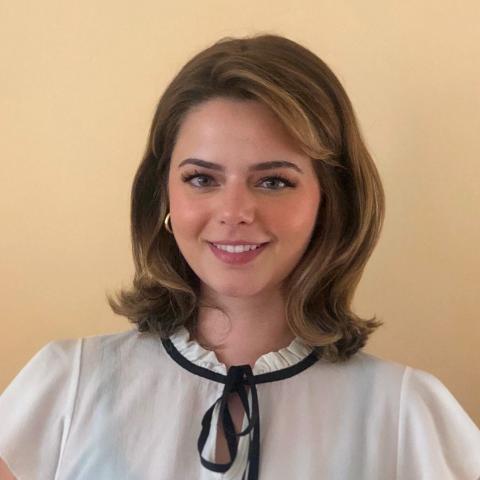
{"x": 186, "y": 214}
{"x": 188, "y": 218}
{"x": 296, "y": 218}
{"x": 183, "y": 208}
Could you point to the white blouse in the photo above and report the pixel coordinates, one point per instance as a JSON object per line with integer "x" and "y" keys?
{"x": 131, "y": 406}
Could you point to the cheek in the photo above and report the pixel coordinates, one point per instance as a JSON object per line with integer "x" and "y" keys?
{"x": 295, "y": 233}
{"x": 295, "y": 218}
{"x": 187, "y": 213}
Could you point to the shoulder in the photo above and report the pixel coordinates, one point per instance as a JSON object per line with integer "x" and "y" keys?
{"x": 364, "y": 369}
{"x": 60, "y": 364}
{"x": 95, "y": 358}
{"x": 96, "y": 348}
{"x": 37, "y": 407}
{"x": 121, "y": 346}
{"x": 115, "y": 343}
{"x": 435, "y": 437}
{"x": 426, "y": 402}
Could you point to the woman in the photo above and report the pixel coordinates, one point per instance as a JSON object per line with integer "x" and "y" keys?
{"x": 254, "y": 212}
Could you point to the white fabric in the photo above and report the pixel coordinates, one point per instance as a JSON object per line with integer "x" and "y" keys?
{"x": 119, "y": 407}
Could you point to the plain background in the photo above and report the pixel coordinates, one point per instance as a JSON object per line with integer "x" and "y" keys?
{"x": 78, "y": 87}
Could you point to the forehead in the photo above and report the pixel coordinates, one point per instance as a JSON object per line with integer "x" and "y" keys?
{"x": 246, "y": 126}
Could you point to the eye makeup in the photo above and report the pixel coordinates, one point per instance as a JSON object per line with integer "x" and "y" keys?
{"x": 187, "y": 177}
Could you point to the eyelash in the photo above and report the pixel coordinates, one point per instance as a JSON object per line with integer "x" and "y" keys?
{"x": 186, "y": 177}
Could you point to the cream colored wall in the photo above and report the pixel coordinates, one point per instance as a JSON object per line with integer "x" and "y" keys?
{"x": 78, "y": 88}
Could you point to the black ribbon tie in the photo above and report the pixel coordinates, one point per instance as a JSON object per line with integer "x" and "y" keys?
{"x": 237, "y": 378}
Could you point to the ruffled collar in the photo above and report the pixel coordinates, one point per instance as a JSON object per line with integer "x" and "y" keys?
{"x": 267, "y": 363}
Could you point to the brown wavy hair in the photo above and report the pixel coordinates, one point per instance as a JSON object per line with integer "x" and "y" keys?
{"x": 311, "y": 103}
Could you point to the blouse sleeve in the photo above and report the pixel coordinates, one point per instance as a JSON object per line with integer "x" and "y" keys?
{"x": 36, "y": 410}
{"x": 437, "y": 439}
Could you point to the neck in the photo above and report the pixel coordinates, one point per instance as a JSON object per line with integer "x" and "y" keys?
{"x": 253, "y": 327}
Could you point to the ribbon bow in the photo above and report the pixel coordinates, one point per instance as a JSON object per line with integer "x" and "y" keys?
{"x": 237, "y": 377}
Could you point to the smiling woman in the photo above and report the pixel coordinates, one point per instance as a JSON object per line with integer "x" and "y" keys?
{"x": 254, "y": 212}
{"x": 254, "y": 141}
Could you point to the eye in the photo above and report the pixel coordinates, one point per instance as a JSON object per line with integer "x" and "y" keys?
{"x": 275, "y": 182}
{"x": 287, "y": 183}
{"x": 188, "y": 177}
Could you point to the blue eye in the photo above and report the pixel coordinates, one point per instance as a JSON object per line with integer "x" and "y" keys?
{"x": 203, "y": 179}
{"x": 283, "y": 180}
{"x": 189, "y": 177}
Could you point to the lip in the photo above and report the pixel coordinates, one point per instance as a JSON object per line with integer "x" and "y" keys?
{"x": 237, "y": 258}
{"x": 237, "y": 242}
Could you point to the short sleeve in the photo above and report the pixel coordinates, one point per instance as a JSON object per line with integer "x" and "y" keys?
{"x": 437, "y": 438}
{"x": 36, "y": 409}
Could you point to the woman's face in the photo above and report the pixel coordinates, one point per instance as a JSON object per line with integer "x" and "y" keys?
{"x": 230, "y": 198}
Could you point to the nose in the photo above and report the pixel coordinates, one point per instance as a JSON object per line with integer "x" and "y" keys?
{"x": 236, "y": 204}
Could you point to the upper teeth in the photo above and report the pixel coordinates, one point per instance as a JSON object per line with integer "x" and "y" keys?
{"x": 236, "y": 248}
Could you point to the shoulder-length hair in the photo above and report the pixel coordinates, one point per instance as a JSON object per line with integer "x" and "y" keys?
{"x": 311, "y": 103}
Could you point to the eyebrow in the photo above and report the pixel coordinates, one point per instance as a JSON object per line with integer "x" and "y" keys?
{"x": 256, "y": 167}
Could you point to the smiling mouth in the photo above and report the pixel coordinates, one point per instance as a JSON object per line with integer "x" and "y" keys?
{"x": 237, "y": 257}
{"x": 237, "y": 248}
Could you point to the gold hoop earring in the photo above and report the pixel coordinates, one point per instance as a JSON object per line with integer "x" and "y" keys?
{"x": 169, "y": 228}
